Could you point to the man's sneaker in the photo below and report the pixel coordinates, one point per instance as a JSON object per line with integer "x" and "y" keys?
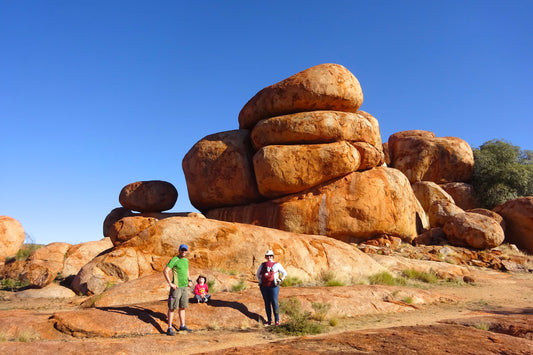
{"x": 170, "y": 331}
{"x": 267, "y": 324}
{"x": 277, "y": 323}
{"x": 184, "y": 328}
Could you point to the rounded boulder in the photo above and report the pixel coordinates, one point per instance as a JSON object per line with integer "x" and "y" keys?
{"x": 148, "y": 196}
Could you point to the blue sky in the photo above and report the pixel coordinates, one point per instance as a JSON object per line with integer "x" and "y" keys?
{"x": 95, "y": 95}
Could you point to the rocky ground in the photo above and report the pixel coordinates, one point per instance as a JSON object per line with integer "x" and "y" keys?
{"x": 489, "y": 314}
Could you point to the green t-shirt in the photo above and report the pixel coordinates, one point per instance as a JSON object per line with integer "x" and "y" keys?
{"x": 179, "y": 271}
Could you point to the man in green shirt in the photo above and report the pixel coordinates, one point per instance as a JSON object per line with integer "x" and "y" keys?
{"x": 177, "y": 275}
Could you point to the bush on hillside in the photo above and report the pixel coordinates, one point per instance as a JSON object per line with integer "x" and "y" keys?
{"x": 502, "y": 172}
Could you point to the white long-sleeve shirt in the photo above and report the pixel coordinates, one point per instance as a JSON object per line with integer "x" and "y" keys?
{"x": 277, "y": 269}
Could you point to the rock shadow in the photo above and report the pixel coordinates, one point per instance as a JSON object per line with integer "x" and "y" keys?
{"x": 241, "y": 307}
{"x": 144, "y": 314}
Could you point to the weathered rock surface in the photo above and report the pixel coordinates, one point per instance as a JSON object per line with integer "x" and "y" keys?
{"x": 428, "y": 192}
{"x": 217, "y": 245}
{"x": 113, "y": 216}
{"x": 371, "y": 156}
{"x": 44, "y": 264}
{"x": 355, "y": 207}
{"x": 80, "y": 254}
{"x": 11, "y": 236}
{"x": 463, "y": 194}
{"x": 219, "y": 171}
{"x": 322, "y": 87}
{"x": 518, "y": 216}
{"x": 440, "y": 210}
{"x": 285, "y": 169}
{"x": 441, "y": 160}
{"x": 148, "y": 196}
{"x": 317, "y": 127}
{"x": 128, "y": 227}
{"x": 50, "y": 291}
{"x": 474, "y": 230}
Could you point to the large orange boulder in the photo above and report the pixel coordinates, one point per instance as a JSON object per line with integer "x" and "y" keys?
{"x": 371, "y": 156}
{"x": 80, "y": 254}
{"x": 284, "y": 169}
{"x": 148, "y": 196}
{"x": 473, "y": 230}
{"x": 44, "y": 264}
{"x": 219, "y": 172}
{"x": 426, "y": 158}
{"x": 518, "y": 216}
{"x": 217, "y": 245}
{"x": 353, "y": 208}
{"x": 428, "y": 192}
{"x": 317, "y": 127}
{"x": 322, "y": 87}
{"x": 128, "y": 227}
{"x": 11, "y": 236}
{"x": 463, "y": 194}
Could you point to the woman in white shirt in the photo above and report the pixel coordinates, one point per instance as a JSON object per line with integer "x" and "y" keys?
{"x": 270, "y": 274}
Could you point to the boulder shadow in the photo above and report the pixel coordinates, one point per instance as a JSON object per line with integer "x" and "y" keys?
{"x": 144, "y": 314}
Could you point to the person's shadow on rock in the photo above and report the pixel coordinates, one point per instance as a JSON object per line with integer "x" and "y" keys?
{"x": 144, "y": 314}
{"x": 241, "y": 307}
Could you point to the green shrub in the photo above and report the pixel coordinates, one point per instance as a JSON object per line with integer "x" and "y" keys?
{"x": 481, "y": 326}
{"x": 502, "y": 172}
{"x": 428, "y": 277}
{"x": 321, "y": 309}
{"x": 25, "y": 251}
{"x": 291, "y": 281}
{"x": 239, "y": 286}
{"x": 211, "y": 285}
{"x": 299, "y": 322}
{"x": 334, "y": 321}
{"x": 12, "y": 284}
{"x": 328, "y": 278}
{"x": 385, "y": 278}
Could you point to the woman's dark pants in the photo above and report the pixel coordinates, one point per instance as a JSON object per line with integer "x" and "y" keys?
{"x": 270, "y": 296}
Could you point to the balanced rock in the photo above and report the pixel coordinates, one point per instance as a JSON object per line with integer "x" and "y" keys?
{"x": 148, "y": 196}
{"x": 498, "y": 218}
{"x": 463, "y": 194}
{"x": 224, "y": 246}
{"x": 284, "y": 169}
{"x": 428, "y": 192}
{"x": 11, "y": 236}
{"x": 323, "y": 87}
{"x": 317, "y": 127}
{"x": 439, "y": 159}
{"x": 219, "y": 171}
{"x": 473, "y": 230}
{"x": 518, "y": 216}
{"x": 44, "y": 264}
{"x": 353, "y": 208}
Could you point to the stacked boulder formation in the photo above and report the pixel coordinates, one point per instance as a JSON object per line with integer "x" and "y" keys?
{"x": 306, "y": 160}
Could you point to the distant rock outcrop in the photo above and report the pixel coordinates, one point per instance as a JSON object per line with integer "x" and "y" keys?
{"x": 11, "y": 237}
{"x": 423, "y": 157}
{"x": 149, "y": 196}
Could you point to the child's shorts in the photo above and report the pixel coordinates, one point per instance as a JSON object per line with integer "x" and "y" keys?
{"x": 178, "y": 298}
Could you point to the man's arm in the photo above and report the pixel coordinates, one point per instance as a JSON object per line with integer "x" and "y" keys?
{"x": 167, "y": 272}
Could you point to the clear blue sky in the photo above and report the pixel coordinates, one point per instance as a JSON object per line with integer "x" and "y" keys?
{"x": 98, "y": 94}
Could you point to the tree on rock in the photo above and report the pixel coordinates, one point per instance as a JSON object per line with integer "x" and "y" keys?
{"x": 502, "y": 172}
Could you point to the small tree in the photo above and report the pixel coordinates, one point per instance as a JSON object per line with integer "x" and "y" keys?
{"x": 502, "y": 171}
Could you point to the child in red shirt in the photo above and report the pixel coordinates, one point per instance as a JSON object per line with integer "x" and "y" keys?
{"x": 201, "y": 290}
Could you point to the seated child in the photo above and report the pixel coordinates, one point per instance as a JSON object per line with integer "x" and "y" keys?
{"x": 201, "y": 290}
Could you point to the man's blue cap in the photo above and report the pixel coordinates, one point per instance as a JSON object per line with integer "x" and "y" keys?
{"x": 184, "y": 246}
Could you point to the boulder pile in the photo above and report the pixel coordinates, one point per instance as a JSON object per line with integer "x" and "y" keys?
{"x": 304, "y": 160}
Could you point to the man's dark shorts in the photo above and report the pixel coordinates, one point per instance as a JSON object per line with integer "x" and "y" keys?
{"x": 178, "y": 298}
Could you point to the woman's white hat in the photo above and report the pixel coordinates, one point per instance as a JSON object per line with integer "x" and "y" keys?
{"x": 269, "y": 252}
